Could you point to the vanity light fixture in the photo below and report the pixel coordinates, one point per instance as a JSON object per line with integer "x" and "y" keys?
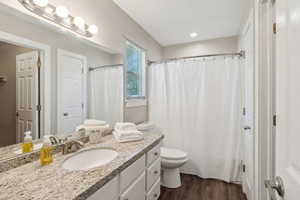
{"x": 79, "y": 22}
{"x": 62, "y": 12}
{"x": 93, "y": 29}
{"x": 41, "y": 3}
{"x": 192, "y": 35}
{"x": 61, "y": 16}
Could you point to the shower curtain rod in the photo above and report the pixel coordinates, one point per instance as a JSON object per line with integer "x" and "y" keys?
{"x": 104, "y": 66}
{"x": 240, "y": 54}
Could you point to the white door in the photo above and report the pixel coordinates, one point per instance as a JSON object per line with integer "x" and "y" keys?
{"x": 26, "y": 67}
{"x": 248, "y": 137}
{"x": 71, "y": 91}
{"x": 287, "y": 145}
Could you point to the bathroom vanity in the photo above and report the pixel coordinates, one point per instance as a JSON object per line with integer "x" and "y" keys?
{"x": 133, "y": 175}
{"x": 140, "y": 179}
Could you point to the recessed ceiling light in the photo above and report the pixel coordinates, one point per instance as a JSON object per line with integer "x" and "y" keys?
{"x": 192, "y": 35}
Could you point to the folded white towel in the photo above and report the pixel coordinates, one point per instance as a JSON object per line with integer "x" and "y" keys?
{"x": 130, "y": 138}
{"x": 93, "y": 122}
{"x": 145, "y": 126}
{"x": 128, "y": 134}
{"x": 125, "y": 126}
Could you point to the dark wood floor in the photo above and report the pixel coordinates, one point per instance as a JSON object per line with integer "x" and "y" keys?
{"x": 195, "y": 188}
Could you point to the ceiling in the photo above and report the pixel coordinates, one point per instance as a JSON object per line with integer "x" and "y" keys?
{"x": 171, "y": 21}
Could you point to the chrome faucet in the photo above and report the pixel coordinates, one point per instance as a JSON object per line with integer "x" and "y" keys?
{"x": 55, "y": 140}
{"x": 68, "y": 145}
{"x": 71, "y": 146}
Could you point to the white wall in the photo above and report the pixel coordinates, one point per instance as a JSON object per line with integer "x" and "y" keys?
{"x": 114, "y": 24}
{"x": 56, "y": 40}
{"x": 215, "y": 46}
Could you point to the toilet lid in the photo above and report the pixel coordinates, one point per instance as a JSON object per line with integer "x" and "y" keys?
{"x": 172, "y": 154}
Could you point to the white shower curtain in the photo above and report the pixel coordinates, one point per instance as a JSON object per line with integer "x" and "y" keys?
{"x": 198, "y": 106}
{"x": 106, "y": 94}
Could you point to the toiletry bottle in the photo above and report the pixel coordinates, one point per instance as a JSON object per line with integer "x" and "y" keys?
{"x": 46, "y": 151}
{"x": 27, "y": 145}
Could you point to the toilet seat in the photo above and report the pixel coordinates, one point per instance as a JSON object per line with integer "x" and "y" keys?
{"x": 172, "y": 154}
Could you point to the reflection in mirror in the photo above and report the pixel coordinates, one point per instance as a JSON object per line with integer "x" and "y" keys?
{"x": 50, "y": 83}
{"x": 18, "y": 92}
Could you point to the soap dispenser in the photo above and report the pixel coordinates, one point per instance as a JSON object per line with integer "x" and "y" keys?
{"x": 27, "y": 145}
{"x": 46, "y": 151}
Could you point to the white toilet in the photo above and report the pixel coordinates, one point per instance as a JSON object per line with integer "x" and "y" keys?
{"x": 171, "y": 161}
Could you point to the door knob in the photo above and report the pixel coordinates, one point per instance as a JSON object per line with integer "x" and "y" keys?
{"x": 275, "y": 185}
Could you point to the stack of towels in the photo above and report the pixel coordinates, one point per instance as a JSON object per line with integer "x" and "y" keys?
{"x": 127, "y": 132}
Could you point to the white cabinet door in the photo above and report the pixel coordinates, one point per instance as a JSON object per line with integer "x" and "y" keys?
{"x": 26, "y": 65}
{"x": 136, "y": 191}
{"x": 71, "y": 91}
{"x": 154, "y": 192}
{"x": 153, "y": 155}
{"x": 110, "y": 191}
{"x": 287, "y": 146}
{"x": 129, "y": 175}
{"x": 153, "y": 173}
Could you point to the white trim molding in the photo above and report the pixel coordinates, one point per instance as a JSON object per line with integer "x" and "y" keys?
{"x": 45, "y": 75}
{"x": 264, "y": 95}
{"x": 61, "y": 52}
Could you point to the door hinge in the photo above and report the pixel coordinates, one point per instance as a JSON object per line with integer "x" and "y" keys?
{"x": 244, "y": 111}
{"x": 39, "y": 62}
{"x": 82, "y": 106}
{"x": 274, "y": 28}
{"x": 39, "y": 107}
{"x": 82, "y": 70}
{"x": 274, "y": 120}
{"x": 242, "y": 166}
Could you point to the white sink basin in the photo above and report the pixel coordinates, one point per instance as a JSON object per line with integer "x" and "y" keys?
{"x": 89, "y": 159}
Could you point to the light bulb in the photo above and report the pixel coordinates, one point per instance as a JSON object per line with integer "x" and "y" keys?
{"x": 41, "y": 3}
{"x": 192, "y": 35}
{"x": 79, "y": 22}
{"x": 49, "y": 11}
{"x": 62, "y": 11}
{"x": 93, "y": 29}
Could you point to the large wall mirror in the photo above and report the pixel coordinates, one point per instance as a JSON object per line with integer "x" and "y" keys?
{"x": 50, "y": 82}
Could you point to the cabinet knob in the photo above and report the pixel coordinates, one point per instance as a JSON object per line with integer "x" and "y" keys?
{"x": 155, "y": 195}
{"x": 155, "y": 172}
{"x": 156, "y": 153}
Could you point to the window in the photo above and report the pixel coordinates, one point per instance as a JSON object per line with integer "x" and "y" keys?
{"x": 135, "y": 71}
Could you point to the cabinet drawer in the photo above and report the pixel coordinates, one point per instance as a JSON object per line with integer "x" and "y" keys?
{"x": 153, "y": 173}
{"x": 136, "y": 191}
{"x": 131, "y": 173}
{"x": 153, "y": 154}
{"x": 109, "y": 191}
{"x": 154, "y": 193}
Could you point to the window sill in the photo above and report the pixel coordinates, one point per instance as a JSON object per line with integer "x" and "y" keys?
{"x": 136, "y": 102}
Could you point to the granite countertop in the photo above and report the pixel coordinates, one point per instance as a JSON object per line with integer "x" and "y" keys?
{"x": 52, "y": 182}
{"x": 8, "y": 152}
